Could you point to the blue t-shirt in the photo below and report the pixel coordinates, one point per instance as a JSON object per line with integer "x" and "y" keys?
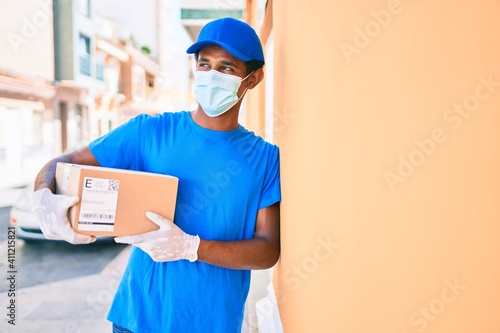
{"x": 224, "y": 179}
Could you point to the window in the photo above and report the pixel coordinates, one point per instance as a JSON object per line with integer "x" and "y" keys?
{"x": 84, "y": 6}
{"x": 150, "y": 80}
{"x": 99, "y": 65}
{"x": 84, "y": 53}
{"x": 211, "y": 14}
{"x": 84, "y": 44}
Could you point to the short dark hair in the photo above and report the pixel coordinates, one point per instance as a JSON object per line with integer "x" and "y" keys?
{"x": 251, "y": 65}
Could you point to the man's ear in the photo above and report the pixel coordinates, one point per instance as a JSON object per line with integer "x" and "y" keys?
{"x": 255, "y": 78}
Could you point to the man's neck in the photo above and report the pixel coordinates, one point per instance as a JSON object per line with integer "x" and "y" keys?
{"x": 225, "y": 122}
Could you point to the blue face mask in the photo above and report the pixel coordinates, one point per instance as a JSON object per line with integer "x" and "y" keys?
{"x": 217, "y": 92}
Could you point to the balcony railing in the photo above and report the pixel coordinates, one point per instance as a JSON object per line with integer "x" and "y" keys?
{"x": 99, "y": 71}
{"x": 210, "y": 13}
{"x": 85, "y": 64}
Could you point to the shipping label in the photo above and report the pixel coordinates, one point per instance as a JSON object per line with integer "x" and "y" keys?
{"x": 98, "y": 205}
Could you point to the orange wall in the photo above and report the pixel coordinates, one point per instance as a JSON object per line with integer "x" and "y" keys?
{"x": 390, "y": 165}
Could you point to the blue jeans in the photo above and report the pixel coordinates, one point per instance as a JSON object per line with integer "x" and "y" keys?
{"x": 119, "y": 329}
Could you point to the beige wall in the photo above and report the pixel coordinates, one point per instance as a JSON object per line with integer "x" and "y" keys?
{"x": 371, "y": 243}
{"x": 27, "y": 43}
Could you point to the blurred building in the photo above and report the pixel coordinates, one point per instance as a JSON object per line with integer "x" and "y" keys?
{"x": 102, "y": 78}
{"x": 156, "y": 25}
{"x": 196, "y": 13}
{"x": 26, "y": 89}
{"x": 67, "y": 76}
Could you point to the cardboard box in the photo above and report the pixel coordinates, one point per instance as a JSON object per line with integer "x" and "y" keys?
{"x": 113, "y": 202}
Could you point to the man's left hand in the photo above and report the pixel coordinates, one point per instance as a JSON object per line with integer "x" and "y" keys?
{"x": 168, "y": 243}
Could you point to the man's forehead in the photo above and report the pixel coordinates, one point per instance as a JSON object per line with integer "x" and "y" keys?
{"x": 214, "y": 50}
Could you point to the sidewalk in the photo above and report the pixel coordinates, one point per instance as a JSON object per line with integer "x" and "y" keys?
{"x": 9, "y": 196}
{"x": 13, "y": 178}
{"x": 77, "y": 305}
{"x": 16, "y": 177}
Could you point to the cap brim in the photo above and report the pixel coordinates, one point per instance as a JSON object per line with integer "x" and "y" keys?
{"x": 196, "y": 47}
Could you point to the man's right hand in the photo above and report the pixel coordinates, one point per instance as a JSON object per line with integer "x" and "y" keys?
{"x": 51, "y": 212}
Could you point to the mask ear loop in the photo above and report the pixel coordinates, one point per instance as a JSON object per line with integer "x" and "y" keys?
{"x": 246, "y": 77}
{"x": 244, "y": 92}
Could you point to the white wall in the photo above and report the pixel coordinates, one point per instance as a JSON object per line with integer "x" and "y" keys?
{"x": 27, "y": 43}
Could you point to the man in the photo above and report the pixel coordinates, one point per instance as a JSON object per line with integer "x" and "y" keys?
{"x": 223, "y": 231}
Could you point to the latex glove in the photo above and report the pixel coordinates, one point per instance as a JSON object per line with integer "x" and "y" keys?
{"x": 168, "y": 243}
{"x": 51, "y": 212}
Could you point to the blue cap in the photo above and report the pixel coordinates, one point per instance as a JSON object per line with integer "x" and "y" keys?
{"x": 235, "y": 36}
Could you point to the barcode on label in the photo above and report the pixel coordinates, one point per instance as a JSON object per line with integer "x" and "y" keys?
{"x": 114, "y": 185}
{"x": 98, "y": 216}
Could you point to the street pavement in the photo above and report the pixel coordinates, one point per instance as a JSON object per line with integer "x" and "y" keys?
{"x": 77, "y": 305}
{"x": 9, "y": 196}
{"x": 24, "y": 172}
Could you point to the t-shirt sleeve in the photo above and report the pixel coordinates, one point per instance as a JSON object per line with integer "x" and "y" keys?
{"x": 120, "y": 147}
{"x": 271, "y": 192}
